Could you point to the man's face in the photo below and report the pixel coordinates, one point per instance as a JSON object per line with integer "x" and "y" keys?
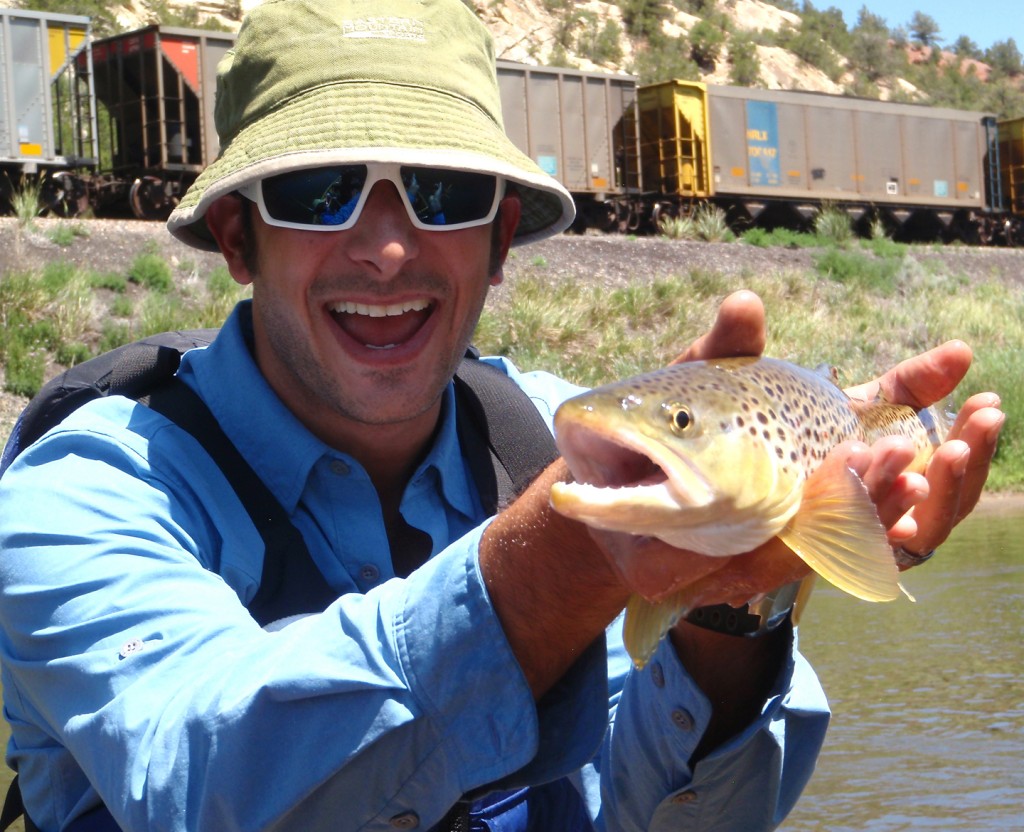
{"x": 367, "y": 324}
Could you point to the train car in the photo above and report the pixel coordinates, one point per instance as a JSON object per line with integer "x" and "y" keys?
{"x": 47, "y": 114}
{"x": 156, "y": 91}
{"x": 572, "y": 124}
{"x": 1011, "y": 166}
{"x": 777, "y": 156}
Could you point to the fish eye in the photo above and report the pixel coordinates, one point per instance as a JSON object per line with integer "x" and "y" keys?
{"x": 680, "y": 418}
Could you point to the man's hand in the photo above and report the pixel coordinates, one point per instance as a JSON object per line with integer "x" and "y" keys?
{"x": 921, "y": 511}
{"x": 739, "y": 329}
{"x": 918, "y": 510}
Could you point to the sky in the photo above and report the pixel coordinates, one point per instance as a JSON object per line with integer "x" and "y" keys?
{"x": 983, "y": 21}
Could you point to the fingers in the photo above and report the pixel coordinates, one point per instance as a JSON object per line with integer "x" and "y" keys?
{"x": 921, "y": 380}
{"x": 739, "y": 329}
{"x": 893, "y": 490}
{"x": 956, "y": 477}
{"x": 978, "y": 424}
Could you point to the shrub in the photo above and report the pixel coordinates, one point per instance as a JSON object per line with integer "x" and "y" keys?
{"x": 879, "y": 275}
{"x": 114, "y": 282}
{"x": 69, "y": 355}
{"x": 677, "y": 228}
{"x": 710, "y": 223}
{"x": 66, "y": 233}
{"x": 152, "y": 272}
{"x": 744, "y": 67}
{"x": 706, "y": 41}
{"x": 24, "y": 370}
{"x": 833, "y": 224}
{"x": 26, "y": 202}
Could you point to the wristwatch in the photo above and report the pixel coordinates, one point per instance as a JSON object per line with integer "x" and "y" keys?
{"x": 752, "y": 619}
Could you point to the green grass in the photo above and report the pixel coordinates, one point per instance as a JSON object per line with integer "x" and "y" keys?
{"x": 61, "y": 315}
{"x": 864, "y": 306}
{"x": 858, "y": 312}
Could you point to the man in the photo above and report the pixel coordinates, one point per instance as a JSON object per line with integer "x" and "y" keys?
{"x": 464, "y": 657}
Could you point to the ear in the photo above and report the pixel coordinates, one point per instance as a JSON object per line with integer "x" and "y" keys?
{"x": 227, "y": 225}
{"x": 508, "y": 220}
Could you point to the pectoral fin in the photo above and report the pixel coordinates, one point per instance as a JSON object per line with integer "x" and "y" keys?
{"x": 803, "y": 597}
{"x": 838, "y": 534}
{"x": 647, "y": 622}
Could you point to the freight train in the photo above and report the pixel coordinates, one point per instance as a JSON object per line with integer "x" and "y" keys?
{"x": 125, "y": 123}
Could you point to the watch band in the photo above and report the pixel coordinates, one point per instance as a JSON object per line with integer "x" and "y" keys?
{"x": 723, "y": 618}
{"x": 750, "y": 620}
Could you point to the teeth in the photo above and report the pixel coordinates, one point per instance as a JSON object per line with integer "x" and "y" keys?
{"x": 378, "y": 310}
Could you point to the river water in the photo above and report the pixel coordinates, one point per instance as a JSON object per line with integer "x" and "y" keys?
{"x": 927, "y": 698}
{"x": 927, "y": 730}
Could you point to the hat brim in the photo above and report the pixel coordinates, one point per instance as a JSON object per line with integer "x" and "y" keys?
{"x": 416, "y": 126}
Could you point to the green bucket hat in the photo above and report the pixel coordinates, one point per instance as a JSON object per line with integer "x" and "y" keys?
{"x": 322, "y": 82}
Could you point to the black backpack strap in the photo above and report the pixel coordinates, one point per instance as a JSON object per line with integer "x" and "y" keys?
{"x": 495, "y": 414}
{"x": 126, "y": 370}
{"x": 280, "y": 588}
{"x": 13, "y": 807}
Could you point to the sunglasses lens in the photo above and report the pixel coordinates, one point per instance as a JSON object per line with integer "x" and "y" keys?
{"x": 328, "y": 197}
{"x": 317, "y": 196}
{"x": 449, "y": 197}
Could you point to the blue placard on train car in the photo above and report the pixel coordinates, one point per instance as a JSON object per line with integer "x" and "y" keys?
{"x": 763, "y": 144}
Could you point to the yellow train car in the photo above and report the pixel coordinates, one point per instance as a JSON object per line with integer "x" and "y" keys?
{"x": 1011, "y": 164}
{"x": 776, "y": 156}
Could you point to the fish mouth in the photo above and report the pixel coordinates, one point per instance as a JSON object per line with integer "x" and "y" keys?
{"x": 620, "y": 469}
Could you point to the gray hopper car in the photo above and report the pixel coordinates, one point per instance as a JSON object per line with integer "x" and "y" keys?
{"x": 774, "y": 155}
{"x": 47, "y": 113}
{"x": 572, "y": 124}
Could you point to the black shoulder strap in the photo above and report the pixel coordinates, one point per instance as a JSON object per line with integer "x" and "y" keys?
{"x": 280, "y": 588}
{"x": 129, "y": 370}
{"x": 494, "y": 413}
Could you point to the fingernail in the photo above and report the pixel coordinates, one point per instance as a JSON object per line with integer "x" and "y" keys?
{"x": 993, "y": 432}
{"x": 959, "y": 465}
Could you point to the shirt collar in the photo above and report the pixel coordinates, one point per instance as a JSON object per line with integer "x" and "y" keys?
{"x": 260, "y": 425}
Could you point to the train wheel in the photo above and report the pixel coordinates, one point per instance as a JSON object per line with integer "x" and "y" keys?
{"x": 606, "y": 217}
{"x": 64, "y": 194}
{"x": 149, "y": 199}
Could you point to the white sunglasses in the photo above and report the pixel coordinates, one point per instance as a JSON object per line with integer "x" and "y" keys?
{"x": 332, "y": 198}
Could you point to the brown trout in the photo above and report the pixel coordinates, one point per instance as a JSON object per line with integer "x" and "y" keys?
{"x": 716, "y": 457}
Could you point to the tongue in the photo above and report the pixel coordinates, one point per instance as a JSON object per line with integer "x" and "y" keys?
{"x": 381, "y": 332}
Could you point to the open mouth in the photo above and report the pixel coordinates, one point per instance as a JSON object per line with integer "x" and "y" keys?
{"x": 382, "y": 326}
{"x": 623, "y": 470}
{"x": 599, "y": 461}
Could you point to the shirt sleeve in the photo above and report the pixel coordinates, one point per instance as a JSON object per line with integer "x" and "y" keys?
{"x": 134, "y": 674}
{"x": 642, "y": 779}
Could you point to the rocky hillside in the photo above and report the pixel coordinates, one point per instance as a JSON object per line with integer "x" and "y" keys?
{"x": 539, "y": 32}
{"x": 744, "y": 42}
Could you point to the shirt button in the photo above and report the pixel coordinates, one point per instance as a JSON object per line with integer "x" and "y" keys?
{"x": 682, "y": 719}
{"x": 684, "y": 797}
{"x": 406, "y": 820}
{"x": 369, "y": 573}
{"x": 339, "y": 467}
{"x": 657, "y": 675}
{"x": 131, "y": 647}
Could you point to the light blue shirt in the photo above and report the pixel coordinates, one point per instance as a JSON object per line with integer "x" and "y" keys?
{"x": 134, "y": 674}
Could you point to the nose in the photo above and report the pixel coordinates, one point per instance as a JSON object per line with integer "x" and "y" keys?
{"x": 383, "y": 238}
